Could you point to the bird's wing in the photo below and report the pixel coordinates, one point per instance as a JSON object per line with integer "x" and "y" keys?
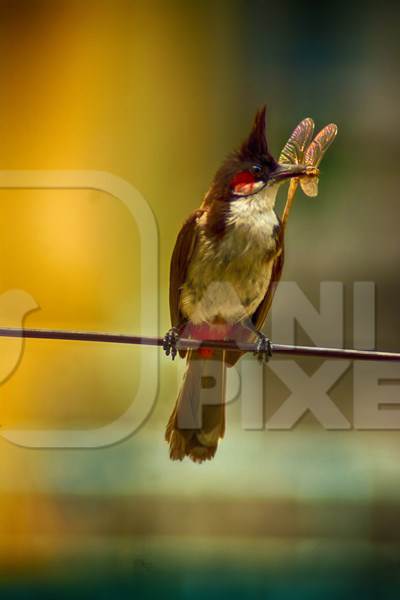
{"x": 181, "y": 257}
{"x": 262, "y": 310}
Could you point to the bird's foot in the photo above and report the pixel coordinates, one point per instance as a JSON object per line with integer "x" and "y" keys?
{"x": 263, "y": 348}
{"x": 170, "y": 341}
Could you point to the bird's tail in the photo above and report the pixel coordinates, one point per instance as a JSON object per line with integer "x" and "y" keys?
{"x": 198, "y": 419}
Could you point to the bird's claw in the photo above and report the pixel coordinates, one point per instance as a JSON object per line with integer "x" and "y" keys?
{"x": 170, "y": 341}
{"x": 263, "y": 348}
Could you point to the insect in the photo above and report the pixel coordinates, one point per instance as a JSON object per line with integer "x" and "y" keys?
{"x": 299, "y": 149}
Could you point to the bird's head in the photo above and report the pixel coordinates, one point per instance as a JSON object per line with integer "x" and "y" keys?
{"x": 251, "y": 169}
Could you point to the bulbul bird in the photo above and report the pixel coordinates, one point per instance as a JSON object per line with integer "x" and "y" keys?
{"x": 227, "y": 260}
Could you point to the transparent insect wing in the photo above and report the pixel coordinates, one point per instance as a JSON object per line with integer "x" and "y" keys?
{"x": 320, "y": 144}
{"x": 309, "y": 185}
{"x": 294, "y": 149}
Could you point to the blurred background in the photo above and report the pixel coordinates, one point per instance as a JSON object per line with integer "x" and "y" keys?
{"x": 157, "y": 93}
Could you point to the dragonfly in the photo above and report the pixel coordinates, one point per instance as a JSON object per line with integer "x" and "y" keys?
{"x": 299, "y": 149}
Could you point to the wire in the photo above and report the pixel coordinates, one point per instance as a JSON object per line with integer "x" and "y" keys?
{"x": 184, "y": 343}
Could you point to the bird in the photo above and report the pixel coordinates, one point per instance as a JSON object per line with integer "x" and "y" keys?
{"x": 226, "y": 263}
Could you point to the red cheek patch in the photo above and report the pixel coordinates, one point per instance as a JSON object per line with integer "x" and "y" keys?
{"x": 242, "y": 177}
{"x": 243, "y": 182}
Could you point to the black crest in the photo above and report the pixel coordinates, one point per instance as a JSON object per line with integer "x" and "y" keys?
{"x": 256, "y": 144}
{"x": 254, "y": 150}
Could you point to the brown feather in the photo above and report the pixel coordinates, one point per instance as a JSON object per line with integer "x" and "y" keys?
{"x": 194, "y": 429}
{"x": 180, "y": 260}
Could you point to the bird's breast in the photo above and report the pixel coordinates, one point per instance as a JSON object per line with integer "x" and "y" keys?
{"x": 229, "y": 275}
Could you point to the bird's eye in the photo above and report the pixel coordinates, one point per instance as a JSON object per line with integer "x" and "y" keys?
{"x": 256, "y": 170}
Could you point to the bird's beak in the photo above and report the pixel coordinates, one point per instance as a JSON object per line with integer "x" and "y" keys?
{"x": 283, "y": 172}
